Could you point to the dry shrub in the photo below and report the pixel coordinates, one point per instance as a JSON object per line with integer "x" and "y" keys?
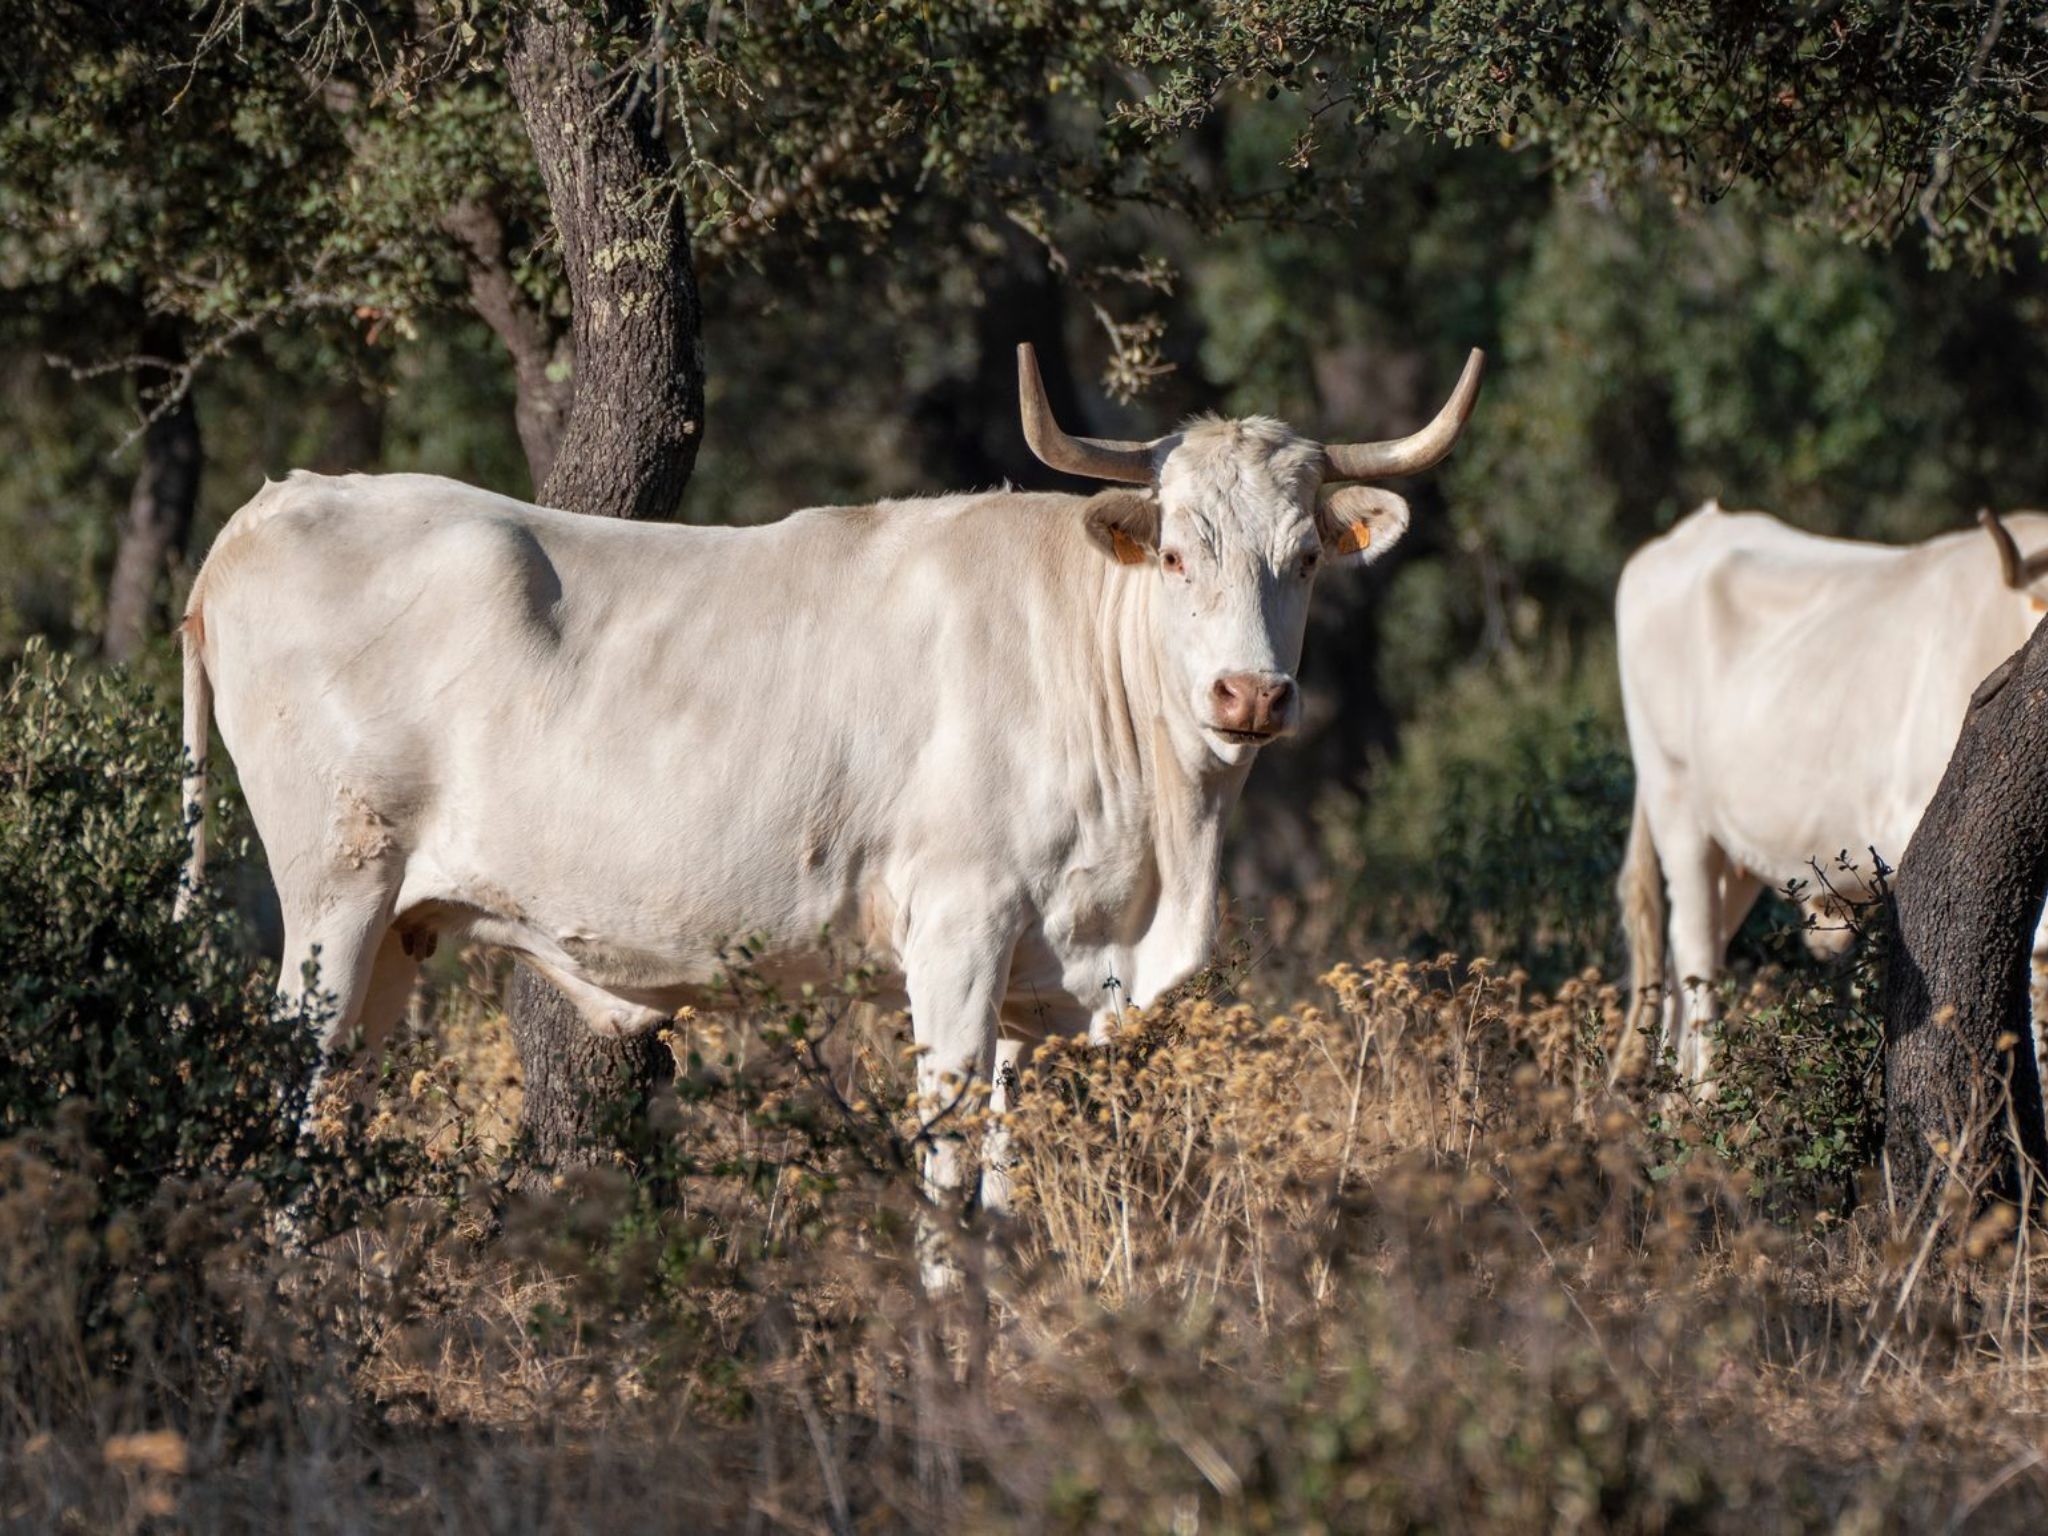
{"x": 1148, "y": 1163}
{"x": 1390, "y": 1258}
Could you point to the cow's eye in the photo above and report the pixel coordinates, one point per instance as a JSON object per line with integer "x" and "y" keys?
{"x": 1170, "y": 558}
{"x": 1308, "y": 564}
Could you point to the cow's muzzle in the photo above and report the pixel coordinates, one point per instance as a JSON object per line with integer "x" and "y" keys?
{"x": 1251, "y": 706}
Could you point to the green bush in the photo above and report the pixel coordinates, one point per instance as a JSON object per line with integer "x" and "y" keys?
{"x": 145, "y": 1075}
{"x": 157, "y": 1033}
{"x": 1499, "y": 830}
{"x": 1796, "y": 1102}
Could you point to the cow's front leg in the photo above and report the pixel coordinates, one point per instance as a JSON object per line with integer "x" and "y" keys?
{"x": 955, "y": 967}
{"x": 995, "y": 1146}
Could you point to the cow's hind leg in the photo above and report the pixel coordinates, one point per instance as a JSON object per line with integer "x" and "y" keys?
{"x": 336, "y": 960}
{"x": 1738, "y": 894}
{"x": 387, "y": 995}
{"x": 1695, "y": 872}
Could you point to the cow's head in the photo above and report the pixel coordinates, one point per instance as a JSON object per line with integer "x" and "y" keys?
{"x": 1234, "y": 520}
{"x": 2026, "y": 575}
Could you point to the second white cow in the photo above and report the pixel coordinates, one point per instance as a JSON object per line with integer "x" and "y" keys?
{"x": 1789, "y": 699}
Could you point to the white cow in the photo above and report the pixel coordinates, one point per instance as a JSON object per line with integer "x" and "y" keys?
{"x": 989, "y": 739}
{"x": 1789, "y": 699}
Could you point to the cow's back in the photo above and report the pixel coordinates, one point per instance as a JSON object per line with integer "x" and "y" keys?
{"x": 740, "y": 728}
{"x": 337, "y": 616}
{"x": 1799, "y": 695}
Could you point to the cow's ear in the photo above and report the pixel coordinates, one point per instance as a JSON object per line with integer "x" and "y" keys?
{"x": 1125, "y": 524}
{"x": 1359, "y": 523}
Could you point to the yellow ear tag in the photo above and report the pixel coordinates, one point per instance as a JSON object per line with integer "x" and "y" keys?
{"x": 1354, "y": 537}
{"x": 1128, "y": 550}
{"x": 2039, "y": 605}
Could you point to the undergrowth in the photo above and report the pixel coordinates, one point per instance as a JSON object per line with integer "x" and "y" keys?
{"x": 1388, "y": 1256}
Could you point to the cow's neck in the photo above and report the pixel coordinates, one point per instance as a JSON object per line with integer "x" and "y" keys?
{"x": 1188, "y": 792}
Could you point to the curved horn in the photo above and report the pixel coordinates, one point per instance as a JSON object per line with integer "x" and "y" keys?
{"x": 1093, "y": 457}
{"x": 1416, "y": 452}
{"x": 2032, "y": 567}
{"x": 2010, "y": 565}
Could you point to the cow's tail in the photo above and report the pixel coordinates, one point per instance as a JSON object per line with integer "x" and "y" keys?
{"x": 1642, "y": 920}
{"x": 198, "y": 727}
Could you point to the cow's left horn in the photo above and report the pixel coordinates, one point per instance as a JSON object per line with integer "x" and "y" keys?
{"x": 1096, "y": 458}
{"x": 1416, "y": 452}
{"x": 2010, "y": 565}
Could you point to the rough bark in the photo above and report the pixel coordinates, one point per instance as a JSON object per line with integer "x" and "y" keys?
{"x": 1965, "y": 901}
{"x": 630, "y": 441}
{"x": 158, "y": 519}
{"x": 625, "y": 449}
{"x": 354, "y": 439}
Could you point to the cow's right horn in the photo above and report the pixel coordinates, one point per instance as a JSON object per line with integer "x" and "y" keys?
{"x": 1417, "y": 451}
{"x": 1096, "y": 458}
{"x": 2010, "y": 564}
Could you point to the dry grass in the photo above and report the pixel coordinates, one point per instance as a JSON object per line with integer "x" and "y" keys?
{"x": 1387, "y": 1259}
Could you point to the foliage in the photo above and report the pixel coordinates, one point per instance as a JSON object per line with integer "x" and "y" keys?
{"x": 326, "y": 164}
{"x": 1537, "y": 872}
{"x": 1393, "y": 1257}
{"x": 858, "y": 266}
{"x": 57, "y": 492}
{"x": 1499, "y": 829}
{"x": 1656, "y": 358}
{"x": 1796, "y": 1103}
{"x": 1876, "y": 118}
{"x": 1387, "y": 1259}
{"x": 146, "y": 177}
{"x": 777, "y": 1111}
{"x": 145, "y": 1075}
{"x": 1652, "y": 358}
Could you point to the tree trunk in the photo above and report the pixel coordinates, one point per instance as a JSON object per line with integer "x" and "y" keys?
{"x": 626, "y": 448}
{"x": 968, "y": 430}
{"x": 631, "y": 436}
{"x": 1965, "y": 902}
{"x": 354, "y": 439}
{"x": 159, "y": 516}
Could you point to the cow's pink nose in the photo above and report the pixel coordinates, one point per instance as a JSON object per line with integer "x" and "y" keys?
{"x": 1253, "y": 702}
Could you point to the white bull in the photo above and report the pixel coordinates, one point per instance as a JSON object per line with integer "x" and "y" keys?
{"x": 1789, "y": 699}
{"x": 989, "y": 739}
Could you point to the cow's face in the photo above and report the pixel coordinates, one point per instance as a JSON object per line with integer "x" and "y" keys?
{"x": 1235, "y": 520}
{"x": 1233, "y": 537}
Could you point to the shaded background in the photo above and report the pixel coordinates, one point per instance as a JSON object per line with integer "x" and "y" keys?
{"x": 1649, "y": 350}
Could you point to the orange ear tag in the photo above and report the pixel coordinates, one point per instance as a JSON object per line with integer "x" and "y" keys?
{"x": 2039, "y": 605}
{"x": 1354, "y": 537}
{"x": 1128, "y": 550}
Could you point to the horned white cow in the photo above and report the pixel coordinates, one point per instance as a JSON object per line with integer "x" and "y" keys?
{"x": 989, "y": 739}
{"x": 1789, "y": 698}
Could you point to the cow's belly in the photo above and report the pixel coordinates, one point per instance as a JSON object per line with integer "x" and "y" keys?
{"x": 1785, "y": 843}
{"x": 1051, "y": 990}
{"x": 668, "y": 949}
{"x": 1794, "y": 767}
{"x": 648, "y": 887}
{"x": 662, "y": 943}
